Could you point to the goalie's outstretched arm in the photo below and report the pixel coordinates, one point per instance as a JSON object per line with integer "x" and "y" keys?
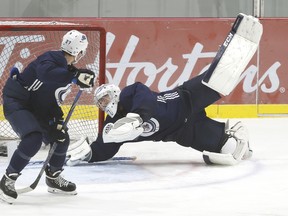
{"x": 102, "y": 151}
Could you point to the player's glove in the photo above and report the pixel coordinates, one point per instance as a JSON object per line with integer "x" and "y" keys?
{"x": 57, "y": 132}
{"x": 84, "y": 78}
{"x": 14, "y": 73}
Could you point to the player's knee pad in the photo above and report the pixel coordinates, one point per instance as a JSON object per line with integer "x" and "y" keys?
{"x": 18, "y": 121}
{"x": 234, "y": 54}
{"x": 30, "y": 144}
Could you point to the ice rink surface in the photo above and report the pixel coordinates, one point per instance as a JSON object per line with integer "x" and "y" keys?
{"x": 167, "y": 179}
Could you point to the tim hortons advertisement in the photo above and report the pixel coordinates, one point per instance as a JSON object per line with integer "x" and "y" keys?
{"x": 163, "y": 53}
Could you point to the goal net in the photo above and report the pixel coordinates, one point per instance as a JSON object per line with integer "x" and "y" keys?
{"x": 22, "y": 42}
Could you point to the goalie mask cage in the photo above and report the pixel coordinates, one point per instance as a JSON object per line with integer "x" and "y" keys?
{"x": 21, "y": 42}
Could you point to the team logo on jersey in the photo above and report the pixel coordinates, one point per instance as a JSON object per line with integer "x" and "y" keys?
{"x": 61, "y": 93}
{"x": 150, "y": 127}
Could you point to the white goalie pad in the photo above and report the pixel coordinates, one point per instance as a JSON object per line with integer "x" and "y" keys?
{"x": 125, "y": 129}
{"x": 227, "y": 159}
{"x": 218, "y": 158}
{"x": 224, "y": 159}
{"x": 78, "y": 151}
{"x": 239, "y": 135}
{"x": 234, "y": 54}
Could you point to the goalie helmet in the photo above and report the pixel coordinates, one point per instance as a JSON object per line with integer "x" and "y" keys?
{"x": 75, "y": 43}
{"x": 106, "y": 98}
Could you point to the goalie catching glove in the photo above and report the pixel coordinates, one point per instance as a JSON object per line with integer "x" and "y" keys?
{"x": 84, "y": 78}
{"x": 125, "y": 129}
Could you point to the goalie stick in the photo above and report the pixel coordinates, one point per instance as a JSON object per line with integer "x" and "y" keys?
{"x": 111, "y": 160}
{"x": 52, "y": 149}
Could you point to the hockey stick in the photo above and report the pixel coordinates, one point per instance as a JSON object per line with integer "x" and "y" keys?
{"x": 52, "y": 149}
{"x": 116, "y": 159}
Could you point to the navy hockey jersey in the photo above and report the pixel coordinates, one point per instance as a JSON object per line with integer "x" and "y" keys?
{"x": 48, "y": 80}
{"x": 162, "y": 113}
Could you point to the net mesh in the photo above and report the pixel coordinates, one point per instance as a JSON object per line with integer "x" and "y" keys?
{"x": 18, "y": 48}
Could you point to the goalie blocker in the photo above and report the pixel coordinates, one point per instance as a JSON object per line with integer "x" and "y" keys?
{"x": 234, "y": 54}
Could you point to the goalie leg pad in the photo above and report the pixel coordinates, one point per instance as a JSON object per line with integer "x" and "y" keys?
{"x": 237, "y": 144}
{"x": 234, "y": 55}
{"x": 239, "y": 133}
{"x": 79, "y": 151}
{"x": 218, "y": 158}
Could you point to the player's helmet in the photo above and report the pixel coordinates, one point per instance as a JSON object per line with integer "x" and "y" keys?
{"x": 113, "y": 93}
{"x": 75, "y": 43}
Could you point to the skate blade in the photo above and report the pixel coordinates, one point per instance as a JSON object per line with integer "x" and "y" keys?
{"x": 61, "y": 192}
{"x": 6, "y": 199}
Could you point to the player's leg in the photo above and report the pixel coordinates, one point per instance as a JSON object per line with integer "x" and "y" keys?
{"x": 31, "y": 140}
{"x": 224, "y": 144}
{"x": 199, "y": 95}
{"x": 202, "y": 133}
{"x": 54, "y": 180}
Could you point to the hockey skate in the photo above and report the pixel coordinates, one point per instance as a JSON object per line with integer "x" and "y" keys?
{"x": 57, "y": 184}
{"x": 7, "y": 188}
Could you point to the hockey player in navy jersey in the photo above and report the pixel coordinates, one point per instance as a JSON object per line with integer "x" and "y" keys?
{"x": 137, "y": 114}
{"x": 31, "y": 103}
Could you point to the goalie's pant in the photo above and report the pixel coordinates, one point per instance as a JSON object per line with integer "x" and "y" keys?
{"x": 199, "y": 131}
{"x": 202, "y": 133}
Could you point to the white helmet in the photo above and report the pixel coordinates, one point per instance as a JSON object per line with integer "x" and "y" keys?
{"x": 74, "y": 43}
{"x": 113, "y": 92}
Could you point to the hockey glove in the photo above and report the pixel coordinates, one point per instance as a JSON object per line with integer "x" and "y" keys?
{"x": 125, "y": 129}
{"x": 85, "y": 78}
{"x": 57, "y": 132}
{"x": 14, "y": 73}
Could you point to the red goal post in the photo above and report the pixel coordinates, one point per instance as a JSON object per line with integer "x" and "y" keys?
{"x": 22, "y": 41}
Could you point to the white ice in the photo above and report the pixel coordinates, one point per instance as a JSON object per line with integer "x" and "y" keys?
{"x": 167, "y": 179}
